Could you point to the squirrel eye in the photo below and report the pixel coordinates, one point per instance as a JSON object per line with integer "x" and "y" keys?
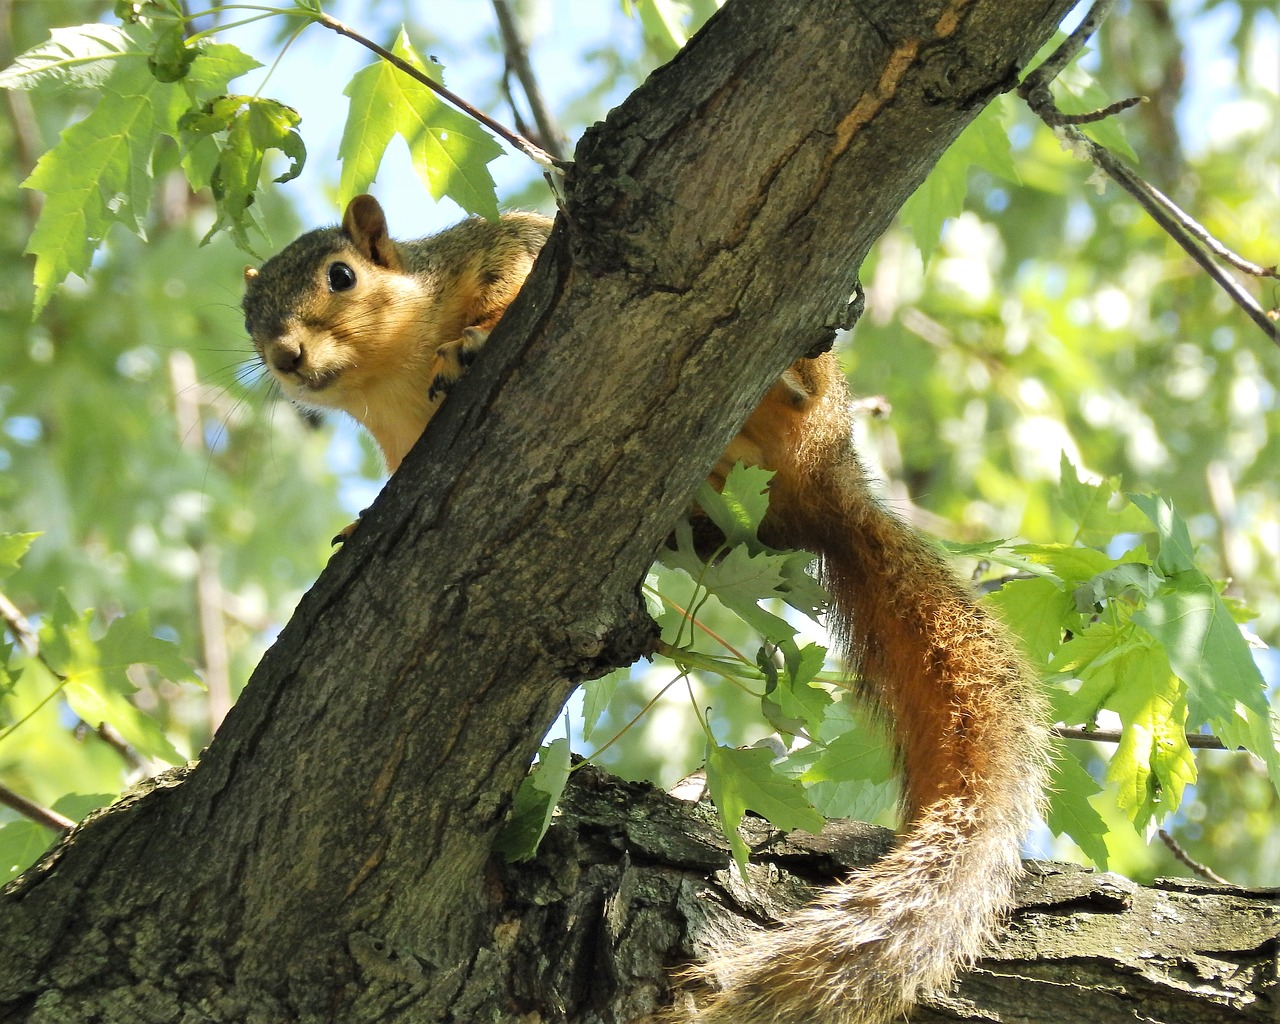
{"x": 341, "y": 277}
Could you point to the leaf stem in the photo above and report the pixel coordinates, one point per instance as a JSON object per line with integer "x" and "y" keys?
{"x": 196, "y": 37}
{"x": 669, "y": 602}
{"x": 631, "y": 724}
{"x": 279, "y": 57}
{"x": 62, "y": 682}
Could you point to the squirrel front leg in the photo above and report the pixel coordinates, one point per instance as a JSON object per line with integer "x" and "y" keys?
{"x": 452, "y": 359}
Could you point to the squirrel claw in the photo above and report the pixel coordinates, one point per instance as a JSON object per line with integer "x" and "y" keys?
{"x": 345, "y": 533}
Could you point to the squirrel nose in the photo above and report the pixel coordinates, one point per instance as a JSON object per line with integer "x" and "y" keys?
{"x": 284, "y": 356}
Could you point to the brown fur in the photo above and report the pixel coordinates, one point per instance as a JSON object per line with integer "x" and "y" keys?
{"x": 965, "y": 713}
{"x": 369, "y": 350}
{"x": 967, "y": 722}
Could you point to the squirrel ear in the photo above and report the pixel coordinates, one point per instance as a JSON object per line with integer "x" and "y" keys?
{"x": 250, "y": 273}
{"x": 366, "y": 226}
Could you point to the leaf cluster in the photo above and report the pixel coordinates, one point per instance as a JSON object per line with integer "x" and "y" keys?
{"x": 66, "y": 689}
{"x": 1143, "y": 638}
{"x": 161, "y": 102}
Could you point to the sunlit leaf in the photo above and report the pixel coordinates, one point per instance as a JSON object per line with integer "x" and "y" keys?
{"x": 449, "y": 150}
{"x": 100, "y": 172}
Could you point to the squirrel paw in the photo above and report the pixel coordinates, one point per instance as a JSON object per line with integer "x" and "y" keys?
{"x": 452, "y": 360}
{"x": 346, "y": 533}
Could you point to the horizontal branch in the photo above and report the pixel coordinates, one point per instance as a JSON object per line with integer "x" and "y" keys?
{"x": 1195, "y": 740}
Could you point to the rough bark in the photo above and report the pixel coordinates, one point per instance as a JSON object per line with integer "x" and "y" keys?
{"x": 328, "y": 859}
{"x": 627, "y": 874}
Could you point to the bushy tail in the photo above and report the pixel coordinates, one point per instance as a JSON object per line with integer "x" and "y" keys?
{"x": 967, "y": 722}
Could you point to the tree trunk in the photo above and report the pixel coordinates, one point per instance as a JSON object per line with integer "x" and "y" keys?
{"x": 328, "y": 859}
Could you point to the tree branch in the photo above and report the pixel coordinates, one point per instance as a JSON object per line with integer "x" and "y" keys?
{"x": 1192, "y": 237}
{"x": 1195, "y": 740}
{"x": 41, "y": 815}
{"x": 345, "y": 811}
{"x": 1203, "y": 870}
{"x": 516, "y": 55}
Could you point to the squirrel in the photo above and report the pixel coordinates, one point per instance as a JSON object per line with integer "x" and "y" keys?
{"x": 347, "y": 318}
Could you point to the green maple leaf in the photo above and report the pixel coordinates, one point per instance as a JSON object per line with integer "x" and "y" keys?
{"x": 1070, "y": 812}
{"x": 101, "y": 170}
{"x": 240, "y": 129}
{"x": 793, "y": 690}
{"x": 450, "y": 151}
{"x": 95, "y": 671}
{"x": 1226, "y": 690}
{"x": 80, "y": 57}
{"x": 1090, "y": 656}
{"x": 740, "y": 506}
{"x": 1036, "y": 610}
{"x": 1100, "y": 511}
{"x": 1175, "y": 551}
{"x": 1152, "y": 763}
{"x": 740, "y": 580}
{"x": 596, "y": 695}
{"x": 749, "y": 572}
{"x": 740, "y": 780}
{"x": 12, "y": 547}
{"x": 1123, "y": 669}
{"x": 858, "y": 755}
{"x": 984, "y": 143}
{"x": 1204, "y": 645}
{"x": 535, "y": 802}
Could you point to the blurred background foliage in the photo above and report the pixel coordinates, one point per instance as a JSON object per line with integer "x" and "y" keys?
{"x": 138, "y": 437}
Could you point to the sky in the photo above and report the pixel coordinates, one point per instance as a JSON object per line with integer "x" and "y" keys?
{"x": 312, "y": 74}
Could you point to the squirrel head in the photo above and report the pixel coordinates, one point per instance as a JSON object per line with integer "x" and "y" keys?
{"x": 346, "y": 318}
{"x": 329, "y": 314}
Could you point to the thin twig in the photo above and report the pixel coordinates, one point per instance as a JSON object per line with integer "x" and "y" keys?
{"x": 1184, "y": 230}
{"x": 534, "y": 153}
{"x": 516, "y": 54}
{"x": 110, "y": 735}
{"x": 1175, "y": 223}
{"x": 19, "y": 627}
{"x": 50, "y": 819}
{"x": 1203, "y": 870}
{"x": 1195, "y": 740}
{"x": 1056, "y": 118}
{"x": 1038, "y": 81}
